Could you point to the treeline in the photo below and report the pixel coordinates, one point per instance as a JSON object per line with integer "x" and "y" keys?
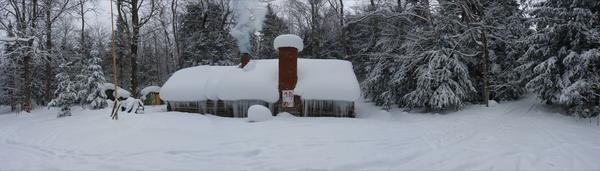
{"x": 415, "y": 54}
{"x": 440, "y": 57}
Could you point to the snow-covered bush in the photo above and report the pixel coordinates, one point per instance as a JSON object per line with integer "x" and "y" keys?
{"x": 258, "y": 113}
{"x": 132, "y": 105}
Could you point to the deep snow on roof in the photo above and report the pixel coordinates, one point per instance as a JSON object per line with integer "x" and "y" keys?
{"x": 318, "y": 79}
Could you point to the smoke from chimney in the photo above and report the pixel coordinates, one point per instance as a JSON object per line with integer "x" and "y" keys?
{"x": 249, "y": 18}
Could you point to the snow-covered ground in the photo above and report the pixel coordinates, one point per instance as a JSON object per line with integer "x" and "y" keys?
{"x": 520, "y": 135}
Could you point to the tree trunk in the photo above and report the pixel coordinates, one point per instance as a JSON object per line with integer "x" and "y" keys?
{"x": 135, "y": 21}
{"x": 47, "y": 67}
{"x": 174, "y": 21}
{"x": 27, "y": 88}
{"x": 484, "y": 48}
{"x": 83, "y": 45}
{"x": 345, "y": 48}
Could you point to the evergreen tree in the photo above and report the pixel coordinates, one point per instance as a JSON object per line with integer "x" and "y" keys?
{"x": 273, "y": 26}
{"x": 65, "y": 94}
{"x": 206, "y": 37}
{"x": 439, "y": 63}
{"x": 563, "y": 59}
{"x": 93, "y": 86}
{"x": 507, "y": 27}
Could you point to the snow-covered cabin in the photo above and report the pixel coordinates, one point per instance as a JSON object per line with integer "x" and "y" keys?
{"x": 150, "y": 95}
{"x": 303, "y": 87}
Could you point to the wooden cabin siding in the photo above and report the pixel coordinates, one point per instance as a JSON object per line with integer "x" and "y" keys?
{"x": 328, "y": 108}
{"x": 239, "y": 108}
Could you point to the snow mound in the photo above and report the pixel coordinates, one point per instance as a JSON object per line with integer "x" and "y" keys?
{"x": 285, "y": 115}
{"x": 259, "y": 113}
{"x": 121, "y": 92}
{"x": 317, "y": 80}
{"x": 492, "y": 103}
{"x": 288, "y": 40}
{"x": 150, "y": 89}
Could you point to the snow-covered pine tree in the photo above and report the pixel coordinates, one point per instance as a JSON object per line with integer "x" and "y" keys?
{"x": 207, "y": 39}
{"x": 563, "y": 59}
{"x": 386, "y": 80}
{"x": 273, "y": 26}
{"x": 439, "y": 62}
{"x": 9, "y": 78}
{"x": 65, "y": 94}
{"x": 506, "y": 27}
{"x": 93, "y": 91}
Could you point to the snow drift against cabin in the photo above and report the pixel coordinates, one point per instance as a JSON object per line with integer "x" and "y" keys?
{"x": 317, "y": 80}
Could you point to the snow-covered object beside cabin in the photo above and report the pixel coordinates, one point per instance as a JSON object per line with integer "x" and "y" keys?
{"x": 288, "y": 40}
{"x": 121, "y": 92}
{"x": 133, "y": 105}
{"x": 317, "y": 80}
{"x": 150, "y": 89}
{"x": 259, "y": 113}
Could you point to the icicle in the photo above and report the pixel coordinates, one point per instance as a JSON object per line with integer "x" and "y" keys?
{"x": 202, "y": 107}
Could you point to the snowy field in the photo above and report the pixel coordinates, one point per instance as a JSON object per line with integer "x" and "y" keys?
{"x": 521, "y": 135}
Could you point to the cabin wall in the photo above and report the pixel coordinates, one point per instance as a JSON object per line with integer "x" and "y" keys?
{"x": 237, "y": 109}
{"x": 328, "y": 108}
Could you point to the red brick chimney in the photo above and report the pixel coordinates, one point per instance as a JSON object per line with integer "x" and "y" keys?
{"x": 244, "y": 59}
{"x": 288, "y": 68}
{"x": 288, "y": 46}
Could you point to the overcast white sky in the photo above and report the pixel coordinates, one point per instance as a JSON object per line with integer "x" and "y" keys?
{"x": 102, "y": 15}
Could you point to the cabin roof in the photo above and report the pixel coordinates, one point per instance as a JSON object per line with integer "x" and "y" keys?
{"x": 318, "y": 79}
{"x": 150, "y": 89}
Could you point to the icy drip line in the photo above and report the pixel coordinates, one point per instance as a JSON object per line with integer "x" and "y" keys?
{"x": 202, "y": 107}
{"x": 324, "y": 107}
{"x": 240, "y": 107}
{"x": 216, "y": 107}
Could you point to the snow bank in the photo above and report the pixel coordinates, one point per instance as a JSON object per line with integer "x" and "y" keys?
{"x": 285, "y": 115}
{"x": 520, "y": 135}
{"x": 150, "y": 89}
{"x": 317, "y": 79}
{"x": 259, "y": 113}
{"x": 121, "y": 92}
{"x": 288, "y": 40}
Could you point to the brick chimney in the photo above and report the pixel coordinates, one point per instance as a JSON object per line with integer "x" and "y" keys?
{"x": 288, "y": 68}
{"x": 288, "y": 46}
{"x": 245, "y": 58}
